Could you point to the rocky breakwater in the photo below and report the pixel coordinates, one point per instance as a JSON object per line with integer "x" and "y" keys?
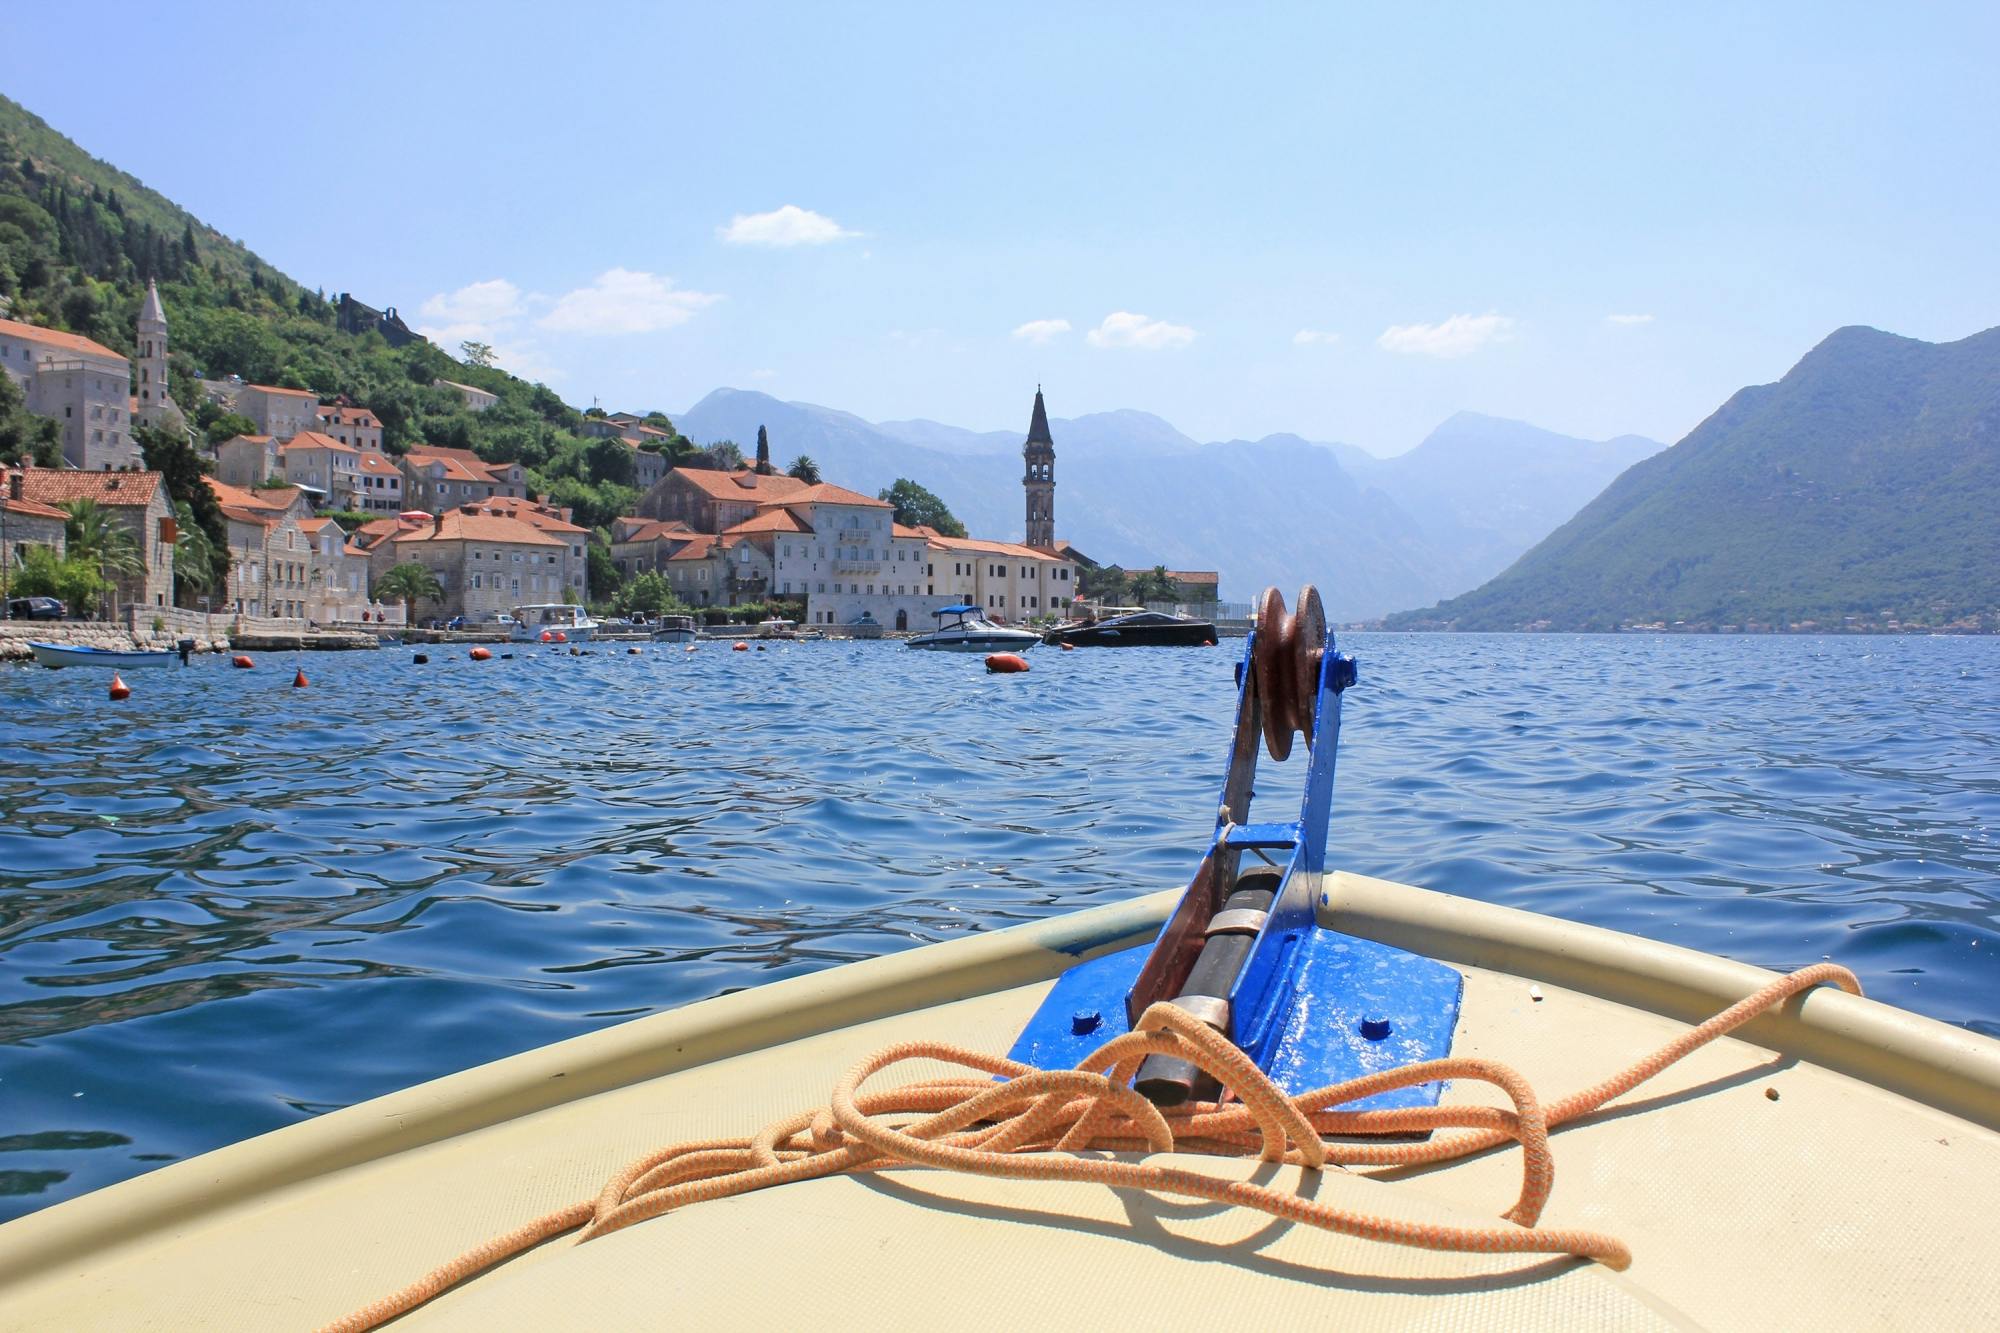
{"x": 15, "y": 636}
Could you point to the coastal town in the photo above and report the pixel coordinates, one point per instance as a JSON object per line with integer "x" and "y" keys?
{"x": 319, "y": 515}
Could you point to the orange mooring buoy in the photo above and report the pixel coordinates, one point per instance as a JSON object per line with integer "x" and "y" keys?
{"x": 561, "y": 637}
{"x": 739, "y": 647}
{"x": 299, "y": 681}
{"x": 242, "y": 661}
{"x": 119, "y": 689}
{"x": 1006, "y": 663}
{"x": 480, "y": 654}
{"x": 548, "y": 637}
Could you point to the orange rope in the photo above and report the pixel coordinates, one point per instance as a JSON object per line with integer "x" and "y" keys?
{"x": 1030, "y": 1126}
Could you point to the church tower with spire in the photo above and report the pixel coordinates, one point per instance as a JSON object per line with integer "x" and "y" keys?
{"x": 155, "y": 406}
{"x": 1040, "y": 479}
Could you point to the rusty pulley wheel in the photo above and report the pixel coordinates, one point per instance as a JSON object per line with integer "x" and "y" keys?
{"x": 1286, "y": 664}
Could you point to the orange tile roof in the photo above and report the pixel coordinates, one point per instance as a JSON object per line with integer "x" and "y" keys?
{"x": 374, "y": 531}
{"x": 376, "y": 463}
{"x": 263, "y": 518}
{"x": 698, "y": 548}
{"x": 253, "y": 439}
{"x": 54, "y": 338}
{"x": 739, "y": 485}
{"x": 459, "y": 464}
{"x": 25, "y": 506}
{"x": 775, "y": 518}
{"x": 1011, "y": 550}
{"x": 654, "y": 529}
{"x": 289, "y": 393}
{"x": 53, "y": 486}
{"x": 348, "y": 416}
{"x": 528, "y": 511}
{"x": 457, "y": 525}
{"x": 270, "y": 497}
{"x": 1194, "y": 576}
{"x": 898, "y": 530}
{"x": 312, "y": 439}
{"x": 827, "y": 493}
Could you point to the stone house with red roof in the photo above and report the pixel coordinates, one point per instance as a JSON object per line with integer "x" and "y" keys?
{"x": 82, "y": 384}
{"x": 436, "y": 478}
{"x": 487, "y": 563}
{"x": 137, "y": 502}
{"x": 25, "y": 523}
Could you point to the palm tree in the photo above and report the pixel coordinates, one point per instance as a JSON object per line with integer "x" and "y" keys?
{"x": 194, "y": 553}
{"x": 409, "y": 583}
{"x": 804, "y": 469}
{"x": 1154, "y": 585}
{"x": 93, "y": 536}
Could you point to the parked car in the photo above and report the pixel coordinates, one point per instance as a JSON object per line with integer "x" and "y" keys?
{"x": 36, "y": 608}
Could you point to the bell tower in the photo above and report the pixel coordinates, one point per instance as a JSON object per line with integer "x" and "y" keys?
{"x": 1039, "y": 481}
{"x": 154, "y": 403}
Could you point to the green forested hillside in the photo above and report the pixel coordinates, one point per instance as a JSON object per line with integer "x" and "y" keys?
{"x": 79, "y": 239}
{"x": 1860, "y": 491}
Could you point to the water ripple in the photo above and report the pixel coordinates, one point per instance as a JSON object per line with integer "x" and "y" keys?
{"x": 229, "y": 905}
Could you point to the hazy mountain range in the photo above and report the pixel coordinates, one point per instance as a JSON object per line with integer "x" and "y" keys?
{"x": 1861, "y": 490}
{"x": 1375, "y": 534}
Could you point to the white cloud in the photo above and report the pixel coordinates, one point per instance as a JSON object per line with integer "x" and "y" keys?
{"x": 1041, "y": 330}
{"x": 1308, "y": 337}
{"x": 790, "y": 225}
{"x": 1460, "y": 335}
{"x": 476, "y": 312}
{"x": 763, "y": 374}
{"x": 1628, "y": 319}
{"x": 1125, "y": 329}
{"x": 624, "y": 301}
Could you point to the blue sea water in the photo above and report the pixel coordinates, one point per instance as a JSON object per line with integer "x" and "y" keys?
{"x": 227, "y": 905}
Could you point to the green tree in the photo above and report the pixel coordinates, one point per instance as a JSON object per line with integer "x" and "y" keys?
{"x": 602, "y": 574}
{"x": 23, "y": 434}
{"x": 73, "y": 581}
{"x": 228, "y": 426}
{"x": 917, "y": 507}
{"x": 609, "y": 460}
{"x": 185, "y": 472}
{"x": 92, "y": 535}
{"x": 409, "y": 583}
{"x": 194, "y": 555}
{"x": 476, "y": 354}
{"x": 1154, "y": 585}
{"x": 804, "y": 469}
{"x": 650, "y": 592}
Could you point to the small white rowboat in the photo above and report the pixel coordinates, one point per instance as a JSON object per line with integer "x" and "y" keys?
{"x": 64, "y": 655}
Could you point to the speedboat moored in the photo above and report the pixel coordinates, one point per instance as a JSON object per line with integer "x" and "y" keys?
{"x": 969, "y": 632}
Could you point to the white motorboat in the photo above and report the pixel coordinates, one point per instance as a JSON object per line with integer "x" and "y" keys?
{"x": 961, "y": 629}
{"x": 63, "y": 655}
{"x": 559, "y": 621}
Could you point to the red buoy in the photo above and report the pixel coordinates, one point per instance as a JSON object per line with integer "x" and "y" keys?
{"x": 119, "y": 689}
{"x": 480, "y": 654}
{"x": 242, "y": 661}
{"x": 561, "y": 637}
{"x": 739, "y": 647}
{"x": 548, "y": 637}
{"x": 1006, "y": 663}
{"x": 299, "y": 681}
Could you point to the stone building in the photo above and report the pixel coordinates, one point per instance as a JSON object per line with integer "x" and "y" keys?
{"x": 711, "y": 501}
{"x": 279, "y": 413}
{"x": 436, "y": 478}
{"x": 323, "y": 467}
{"x": 1038, "y": 455}
{"x": 487, "y": 564}
{"x": 381, "y": 484}
{"x": 24, "y": 523}
{"x": 81, "y": 384}
{"x": 137, "y": 502}
{"x": 476, "y": 399}
{"x": 246, "y": 460}
{"x": 343, "y": 421}
{"x": 156, "y": 406}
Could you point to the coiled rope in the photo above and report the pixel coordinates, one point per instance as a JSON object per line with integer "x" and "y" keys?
{"x": 1031, "y": 1126}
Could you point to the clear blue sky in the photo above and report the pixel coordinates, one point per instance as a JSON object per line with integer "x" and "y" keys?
{"x": 1340, "y": 220}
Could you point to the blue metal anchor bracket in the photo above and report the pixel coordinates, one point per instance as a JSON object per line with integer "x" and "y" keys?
{"x": 1311, "y": 1006}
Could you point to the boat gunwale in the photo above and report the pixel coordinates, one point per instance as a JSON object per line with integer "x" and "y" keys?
{"x": 1924, "y": 1060}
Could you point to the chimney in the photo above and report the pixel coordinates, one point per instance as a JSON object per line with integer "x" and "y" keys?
{"x": 13, "y": 485}
{"x": 437, "y": 523}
